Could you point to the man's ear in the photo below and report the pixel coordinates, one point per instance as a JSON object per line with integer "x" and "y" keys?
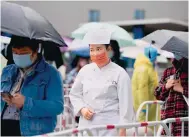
{"x": 35, "y": 53}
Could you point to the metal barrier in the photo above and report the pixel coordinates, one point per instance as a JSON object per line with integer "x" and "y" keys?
{"x": 67, "y": 85}
{"x": 70, "y": 132}
{"x": 173, "y": 120}
{"x": 59, "y": 126}
{"x": 66, "y": 120}
{"x": 147, "y": 103}
{"x": 69, "y": 117}
{"x": 72, "y": 116}
{"x": 90, "y": 130}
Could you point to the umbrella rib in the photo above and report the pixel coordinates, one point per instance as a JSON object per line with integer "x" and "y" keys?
{"x": 29, "y": 25}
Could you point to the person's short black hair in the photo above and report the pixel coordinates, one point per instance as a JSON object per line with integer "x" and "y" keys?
{"x": 20, "y": 42}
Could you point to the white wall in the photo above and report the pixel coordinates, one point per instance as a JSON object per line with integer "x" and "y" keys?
{"x": 66, "y": 16}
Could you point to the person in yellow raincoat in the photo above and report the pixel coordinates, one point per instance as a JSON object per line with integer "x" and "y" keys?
{"x": 144, "y": 82}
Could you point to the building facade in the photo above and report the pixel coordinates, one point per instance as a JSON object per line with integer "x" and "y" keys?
{"x": 67, "y": 15}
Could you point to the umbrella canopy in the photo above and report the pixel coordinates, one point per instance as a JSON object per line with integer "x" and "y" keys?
{"x": 160, "y": 37}
{"x": 167, "y": 54}
{"x": 162, "y": 59}
{"x": 141, "y": 44}
{"x": 76, "y": 46}
{"x": 68, "y": 41}
{"x": 178, "y": 46}
{"x": 25, "y": 22}
{"x": 5, "y": 40}
{"x": 119, "y": 34}
{"x": 133, "y": 52}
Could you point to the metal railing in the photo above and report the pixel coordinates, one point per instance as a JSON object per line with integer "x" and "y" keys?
{"x": 89, "y": 131}
{"x": 147, "y": 104}
{"x": 173, "y": 120}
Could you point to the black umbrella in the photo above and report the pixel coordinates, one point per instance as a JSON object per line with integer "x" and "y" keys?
{"x": 177, "y": 46}
{"x": 172, "y": 41}
{"x": 160, "y": 37}
{"x": 25, "y": 22}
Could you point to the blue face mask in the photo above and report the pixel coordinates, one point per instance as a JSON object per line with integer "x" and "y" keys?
{"x": 22, "y": 61}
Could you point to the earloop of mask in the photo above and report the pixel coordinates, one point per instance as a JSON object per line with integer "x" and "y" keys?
{"x": 40, "y": 48}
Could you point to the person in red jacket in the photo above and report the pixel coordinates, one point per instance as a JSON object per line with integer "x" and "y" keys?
{"x": 172, "y": 86}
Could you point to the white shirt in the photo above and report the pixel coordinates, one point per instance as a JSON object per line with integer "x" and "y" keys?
{"x": 104, "y": 90}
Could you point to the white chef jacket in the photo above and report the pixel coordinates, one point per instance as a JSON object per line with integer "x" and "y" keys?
{"x": 107, "y": 91}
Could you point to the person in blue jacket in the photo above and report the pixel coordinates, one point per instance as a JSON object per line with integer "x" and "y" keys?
{"x": 31, "y": 92}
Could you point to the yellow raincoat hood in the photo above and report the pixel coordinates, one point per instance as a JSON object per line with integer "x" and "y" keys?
{"x": 144, "y": 82}
{"x": 142, "y": 60}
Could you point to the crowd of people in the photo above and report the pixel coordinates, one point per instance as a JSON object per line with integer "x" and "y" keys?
{"x": 101, "y": 90}
{"x": 101, "y": 93}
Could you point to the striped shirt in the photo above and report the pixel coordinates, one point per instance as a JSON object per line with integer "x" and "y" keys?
{"x": 11, "y": 112}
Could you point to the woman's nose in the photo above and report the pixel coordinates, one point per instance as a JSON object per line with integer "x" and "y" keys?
{"x": 95, "y": 53}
